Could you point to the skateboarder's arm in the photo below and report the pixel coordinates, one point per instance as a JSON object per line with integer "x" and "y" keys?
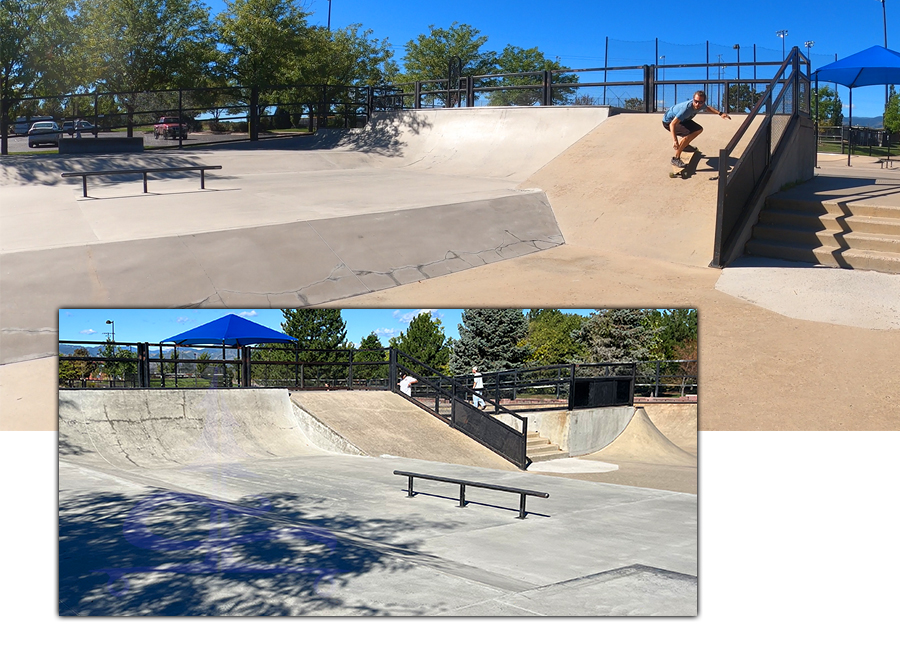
{"x": 723, "y": 115}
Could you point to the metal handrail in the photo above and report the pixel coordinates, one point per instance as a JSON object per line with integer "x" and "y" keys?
{"x": 143, "y": 171}
{"x": 468, "y": 483}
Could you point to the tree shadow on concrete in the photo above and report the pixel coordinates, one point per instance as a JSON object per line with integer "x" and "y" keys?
{"x": 47, "y": 169}
{"x": 167, "y": 553}
{"x": 383, "y": 136}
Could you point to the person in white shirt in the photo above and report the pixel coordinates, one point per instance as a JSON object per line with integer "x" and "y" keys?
{"x": 478, "y": 387}
{"x": 406, "y": 385}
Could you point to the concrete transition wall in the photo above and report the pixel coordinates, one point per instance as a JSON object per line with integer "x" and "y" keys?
{"x": 502, "y": 143}
{"x": 577, "y": 432}
{"x": 130, "y": 429}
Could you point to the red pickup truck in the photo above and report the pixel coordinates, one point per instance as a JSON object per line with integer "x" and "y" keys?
{"x": 170, "y": 127}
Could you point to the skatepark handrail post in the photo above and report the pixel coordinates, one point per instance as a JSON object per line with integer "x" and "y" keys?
{"x": 468, "y": 483}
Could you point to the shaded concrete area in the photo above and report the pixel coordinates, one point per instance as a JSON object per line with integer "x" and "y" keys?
{"x": 216, "y": 503}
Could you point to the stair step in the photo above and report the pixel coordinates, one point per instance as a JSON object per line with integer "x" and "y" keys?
{"x": 832, "y": 238}
{"x": 546, "y": 455}
{"x": 853, "y": 258}
{"x": 839, "y": 208}
{"x": 812, "y": 221}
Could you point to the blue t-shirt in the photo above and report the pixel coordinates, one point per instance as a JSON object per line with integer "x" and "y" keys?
{"x": 683, "y": 111}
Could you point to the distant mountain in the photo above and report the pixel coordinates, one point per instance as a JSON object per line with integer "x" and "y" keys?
{"x": 183, "y": 352}
{"x": 870, "y": 122}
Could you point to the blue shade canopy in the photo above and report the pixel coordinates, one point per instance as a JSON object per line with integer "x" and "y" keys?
{"x": 874, "y": 66}
{"x": 230, "y": 331}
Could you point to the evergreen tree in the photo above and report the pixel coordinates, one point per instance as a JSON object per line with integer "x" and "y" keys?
{"x": 617, "y": 336}
{"x": 425, "y": 341}
{"x": 489, "y": 340}
{"x": 370, "y": 351}
{"x": 318, "y": 331}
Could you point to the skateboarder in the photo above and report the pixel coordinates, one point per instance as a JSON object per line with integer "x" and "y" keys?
{"x": 679, "y": 121}
{"x": 406, "y": 384}
{"x": 478, "y": 387}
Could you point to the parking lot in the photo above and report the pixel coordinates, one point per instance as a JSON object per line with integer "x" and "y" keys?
{"x": 19, "y": 144}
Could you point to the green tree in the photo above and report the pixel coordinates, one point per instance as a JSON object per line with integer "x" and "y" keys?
{"x": 425, "y": 341}
{"x": 552, "y": 336}
{"x": 428, "y": 56}
{"x": 673, "y": 330}
{"x": 370, "y": 351}
{"x": 742, "y": 97}
{"x": 892, "y": 112}
{"x": 620, "y": 335}
{"x": 490, "y": 340}
{"x": 74, "y": 370}
{"x": 261, "y": 40}
{"x": 521, "y": 60}
{"x": 829, "y": 108}
{"x": 135, "y": 46}
{"x": 36, "y": 53}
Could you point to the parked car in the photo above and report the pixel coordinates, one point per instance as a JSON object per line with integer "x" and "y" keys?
{"x": 23, "y": 124}
{"x": 170, "y": 127}
{"x": 44, "y": 133}
{"x": 80, "y": 125}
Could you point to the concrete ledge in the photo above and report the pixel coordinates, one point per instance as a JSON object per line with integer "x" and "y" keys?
{"x": 101, "y": 145}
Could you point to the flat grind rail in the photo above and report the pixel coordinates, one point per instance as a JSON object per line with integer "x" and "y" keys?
{"x": 466, "y": 483}
{"x": 143, "y": 171}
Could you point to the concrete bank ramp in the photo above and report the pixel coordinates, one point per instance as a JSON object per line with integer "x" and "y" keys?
{"x": 677, "y": 422}
{"x": 501, "y": 143}
{"x": 377, "y": 423}
{"x": 612, "y": 190}
{"x": 129, "y": 429}
{"x": 642, "y": 442}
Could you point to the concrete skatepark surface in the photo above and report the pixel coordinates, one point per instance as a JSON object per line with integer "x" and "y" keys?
{"x": 264, "y": 523}
{"x": 379, "y": 423}
{"x": 630, "y": 241}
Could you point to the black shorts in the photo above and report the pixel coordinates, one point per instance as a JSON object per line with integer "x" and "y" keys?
{"x": 685, "y": 128}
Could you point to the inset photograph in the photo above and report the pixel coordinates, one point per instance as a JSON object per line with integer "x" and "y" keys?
{"x": 417, "y": 462}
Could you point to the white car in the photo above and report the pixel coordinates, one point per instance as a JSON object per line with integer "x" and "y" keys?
{"x": 44, "y": 133}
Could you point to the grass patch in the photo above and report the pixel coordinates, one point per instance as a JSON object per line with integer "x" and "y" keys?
{"x": 880, "y": 152}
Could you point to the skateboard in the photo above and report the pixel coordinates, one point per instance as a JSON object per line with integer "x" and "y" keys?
{"x": 690, "y": 157}
{"x": 679, "y": 171}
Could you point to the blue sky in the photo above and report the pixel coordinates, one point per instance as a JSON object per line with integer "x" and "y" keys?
{"x": 150, "y": 325}
{"x": 575, "y": 31}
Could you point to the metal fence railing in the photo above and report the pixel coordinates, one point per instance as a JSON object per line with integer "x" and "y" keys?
{"x": 229, "y": 113}
{"x": 784, "y": 102}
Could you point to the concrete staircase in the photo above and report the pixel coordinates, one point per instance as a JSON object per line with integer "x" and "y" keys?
{"x": 846, "y": 235}
{"x": 538, "y": 448}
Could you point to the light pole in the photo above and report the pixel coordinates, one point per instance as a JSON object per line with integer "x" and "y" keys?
{"x": 808, "y": 44}
{"x": 329, "y": 15}
{"x": 113, "y": 331}
{"x": 737, "y": 48}
{"x": 782, "y": 34}
{"x": 663, "y": 71}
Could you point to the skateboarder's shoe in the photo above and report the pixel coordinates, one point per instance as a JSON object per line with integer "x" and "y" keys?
{"x": 677, "y": 162}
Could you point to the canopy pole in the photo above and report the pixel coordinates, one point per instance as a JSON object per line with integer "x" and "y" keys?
{"x": 816, "y": 158}
{"x": 850, "y": 130}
